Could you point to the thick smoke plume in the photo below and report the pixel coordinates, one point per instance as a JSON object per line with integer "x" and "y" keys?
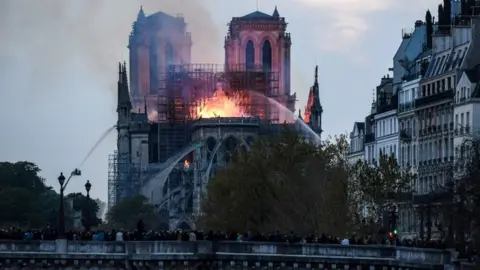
{"x": 63, "y": 35}
{"x": 58, "y": 71}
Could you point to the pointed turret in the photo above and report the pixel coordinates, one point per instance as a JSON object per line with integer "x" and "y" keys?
{"x": 316, "y": 109}
{"x": 275, "y": 13}
{"x": 124, "y": 105}
{"x": 141, "y": 14}
{"x": 316, "y": 91}
{"x": 306, "y": 115}
{"x": 145, "y": 105}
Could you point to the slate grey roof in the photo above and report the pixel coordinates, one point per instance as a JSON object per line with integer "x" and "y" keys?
{"x": 447, "y": 60}
{"x": 360, "y": 126}
{"x": 473, "y": 74}
{"x": 474, "y": 77}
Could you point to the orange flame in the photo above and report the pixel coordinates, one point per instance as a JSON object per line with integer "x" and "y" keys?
{"x": 186, "y": 164}
{"x": 220, "y": 105}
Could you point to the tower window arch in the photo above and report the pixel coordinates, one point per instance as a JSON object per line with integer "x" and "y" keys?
{"x": 267, "y": 55}
{"x": 169, "y": 55}
{"x": 250, "y": 55}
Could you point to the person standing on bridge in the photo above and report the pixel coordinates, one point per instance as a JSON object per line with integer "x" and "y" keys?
{"x": 345, "y": 242}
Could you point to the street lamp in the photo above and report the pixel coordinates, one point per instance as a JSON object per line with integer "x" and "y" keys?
{"x": 61, "y": 217}
{"x": 61, "y": 214}
{"x": 88, "y": 186}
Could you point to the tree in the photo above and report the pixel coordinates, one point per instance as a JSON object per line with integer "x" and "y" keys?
{"x": 18, "y": 208}
{"x": 460, "y": 197}
{"x": 381, "y": 185}
{"x": 126, "y": 213}
{"x": 26, "y": 200}
{"x": 88, "y": 207}
{"x": 429, "y": 30}
{"x": 283, "y": 183}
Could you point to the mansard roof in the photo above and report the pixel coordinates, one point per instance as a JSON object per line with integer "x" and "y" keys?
{"x": 473, "y": 74}
{"x": 360, "y": 126}
{"x": 447, "y": 60}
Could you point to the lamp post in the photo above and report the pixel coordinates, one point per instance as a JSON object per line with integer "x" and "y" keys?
{"x": 61, "y": 215}
{"x": 88, "y": 186}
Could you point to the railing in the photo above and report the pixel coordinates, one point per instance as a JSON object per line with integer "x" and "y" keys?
{"x": 411, "y": 77}
{"x": 463, "y": 130}
{"x": 448, "y": 94}
{"x": 222, "y": 250}
{"x": 405, "y": 135}
{"x": 404, "y": 107}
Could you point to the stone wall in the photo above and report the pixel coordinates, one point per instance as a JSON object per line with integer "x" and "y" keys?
{"x": 62, "y": 254}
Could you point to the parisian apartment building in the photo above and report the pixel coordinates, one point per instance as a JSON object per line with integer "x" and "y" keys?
{"x": 423, "y": 109}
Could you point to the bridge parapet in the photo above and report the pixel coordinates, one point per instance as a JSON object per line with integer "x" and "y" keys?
{"x": 121, "y": 255}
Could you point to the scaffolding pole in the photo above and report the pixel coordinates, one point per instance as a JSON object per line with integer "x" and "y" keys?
{"x": 121, "y": 182}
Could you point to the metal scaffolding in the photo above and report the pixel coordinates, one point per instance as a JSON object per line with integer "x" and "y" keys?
{"x": 123, "y": 178}
{"x": 184, "y": 88}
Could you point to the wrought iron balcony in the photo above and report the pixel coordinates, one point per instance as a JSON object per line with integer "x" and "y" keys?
{"x": 424, "y": 101}
{"x": 405, "y": 136}
{"x": 404, "y": 107}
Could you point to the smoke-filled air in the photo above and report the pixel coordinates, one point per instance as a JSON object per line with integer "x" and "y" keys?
{"x": 58, "y": 75}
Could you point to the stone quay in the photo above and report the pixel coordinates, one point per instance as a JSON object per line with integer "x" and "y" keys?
{"x": 63, "y": 254}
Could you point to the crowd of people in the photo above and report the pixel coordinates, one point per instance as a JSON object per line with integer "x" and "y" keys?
{"x": 181, "y": 235}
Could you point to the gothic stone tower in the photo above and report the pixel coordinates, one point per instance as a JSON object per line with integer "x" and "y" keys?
{"x": 314, "y": 109}
{"x": 259, "y": 41}
{"x": 156, "y": 41}
{"x": 132, "y": 142}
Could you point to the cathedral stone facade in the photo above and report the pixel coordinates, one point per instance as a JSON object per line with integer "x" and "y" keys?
{"x": 168, "y": 154}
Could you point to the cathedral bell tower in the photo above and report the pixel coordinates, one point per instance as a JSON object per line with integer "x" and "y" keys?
{"x": 259, "y": 42}
{"x": 156, "y": 42}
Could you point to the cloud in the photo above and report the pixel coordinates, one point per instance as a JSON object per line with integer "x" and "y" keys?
{"x": 344, "y": 21}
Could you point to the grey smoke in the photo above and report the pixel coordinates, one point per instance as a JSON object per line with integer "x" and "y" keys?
{"x": 93, "y": 34}
{"x": 58, "y": 71}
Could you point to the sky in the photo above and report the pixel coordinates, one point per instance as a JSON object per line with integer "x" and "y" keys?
{"x": 59, "y": 62}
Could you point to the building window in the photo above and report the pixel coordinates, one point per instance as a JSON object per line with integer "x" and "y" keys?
{"x": 250, "y": 55}
{"x": 414, "y": 155}
{"x": 267, "y": 56}
{"x": 467, "y": 120}
{"x": 169, "y": 55}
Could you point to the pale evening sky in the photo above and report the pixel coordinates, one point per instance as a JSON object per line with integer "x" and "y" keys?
{"x": 58, "y": 66}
